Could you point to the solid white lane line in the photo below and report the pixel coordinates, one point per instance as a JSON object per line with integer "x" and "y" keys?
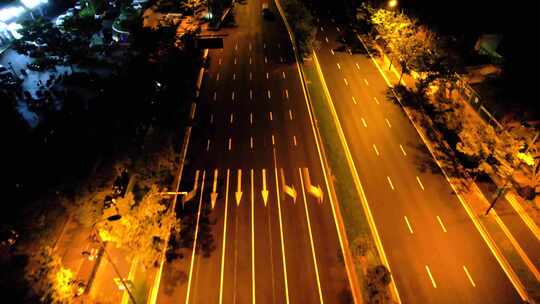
{"x": 290, "y": 114}
{"x": 283, "y": 75}
{"x": 267, "y": 75}
{"x": 346, "y": 82}
{"x": 215, "y": 96}
{"x": 469, "y": 276}
{"x": 217, "y": 76}
{"x": 364, "y": 122}
{"x": 224, "y": 243}
{"x": 402, "y": 150}
{"x": 376, "y": 100}
{"x": 250, "y": 118}
{"x": 441, "y": 223}
{"x": 388, "y": 123}
{"x": 431, "y": 277}
{"x": 229, "y": 144}
{"x": 354, "y": 100}
{"x": 252, "y": 241}
{"x": 332, "y": 51}
{"x": 211, "y": 118}
{"x": 311, "y": 238}
{"x": 419, "y": 182}
{"x": 408, "y": 224}
{"x": 286, "y": 93}
{"x": 278, "y": 195}
{"x": 294, "y": 140}
{"x": 250, "y": 94}
{"x": 232, "y": 95}
{"x": 365, "y": 80}
{"x": 326, "y": 39}
{"x": 231, "y": 119}
{"x": 268, "y": 93}
{"x": 273, "y": 141}
{"x": 357, "y": 66}
{"x": 375, "y": 148}
{"x": 271, "y": 117}
{"x": 207, "y": 145}
{"x": 390, "y": 182}
{"x": 195, "y": 239}
{"x": 338, "y": 66}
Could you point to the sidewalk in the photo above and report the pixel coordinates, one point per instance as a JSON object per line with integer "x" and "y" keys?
{"x": 507, "y": 245}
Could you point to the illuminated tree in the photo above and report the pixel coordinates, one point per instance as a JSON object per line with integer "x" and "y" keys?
{"x": 302, "y": 24}
{"x": 142, "y": 228}
{"x": 50, "y": 280}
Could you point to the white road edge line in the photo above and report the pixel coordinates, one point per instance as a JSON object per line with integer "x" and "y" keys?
{"x": 224, "y": 243}
{"x": 252, "y": 241}
{"x": 278, "y": 195}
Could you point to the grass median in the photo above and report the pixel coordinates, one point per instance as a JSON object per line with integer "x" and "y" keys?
{"x": 361, "y": 242}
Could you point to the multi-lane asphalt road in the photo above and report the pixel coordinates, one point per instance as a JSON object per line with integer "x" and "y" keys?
{"x": 253, "y": 149}
{"x": 435, "y": 252}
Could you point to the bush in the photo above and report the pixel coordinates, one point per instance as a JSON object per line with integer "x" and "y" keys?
{"x": 378, "y": 279}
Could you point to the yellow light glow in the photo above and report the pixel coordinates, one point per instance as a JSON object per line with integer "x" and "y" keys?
{"x": 392, "y": 3}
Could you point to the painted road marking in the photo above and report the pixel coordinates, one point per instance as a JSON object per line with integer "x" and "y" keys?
{"x": 252, "y": 240}
{"x": 193, "y": 108}
{"x": 294, "y": 140}
{"x": 251, "y": 118}
{"x": 290, "y": 114}
{"x": 408, "y": 224}
{"x": 441, "y": 223}
{"x": 213, "y": 194}
{"x": 376, "y": 100}
{"x": 332, "y": 51}
{"x": 249, "y": 59}
{"x": 283, "y": 75}
{"x": 354, "y": 100}
{"x": 207, "y": 145}
{"x": 220, "y": 61}
{"x": 250, "y": 94}
{"x": 364, "y": 122}
{"x": 195, "y": 239}
{"x": 238, "y": 193}
{"x": 224, "y": 243}
{"x": 375, "y": 148}
{"x": 232, "y": 118}
{"x": 234, "y": 60}
{"x": 357, "y": 66}
{"x": 234, "y": 76}
{"x": 250, "y": 46}
{"x": 211, "y": 118}
{"x": 431, "y": 277}
{"x": 388, "y": 123}
{"x": 326, "y": 39}
{"x": 268, "y": 93}
{"x": 273, "y": 141}
{"x": 322, "y": 30}
{"x": 390, "y": 182}
{"x": 311, "y": 238}
{"x": 251, "y": 142}
{"x": 267, "y": 75}
{"x": 215, "y": 96}
{"x": 280, "y": 59}
{"x": 338, "y": 66}
{"x": 286, "y": 93}
{"x": 278, "y": 195}
{"x": 346, "y": 82}
{"x": 402, "y": 150}
{"x": 337, "y": 28}
{"x": 419, "y": 182}
{"x": 264, "y": 45}
{"x": 229, "y": 144}
{"x": 469, "y": 276}
{"x": 217, "y": 76}
{"x": 236, "y": 46}
{"x": 365, "y": 80}
{"x": 264, "y": 191}
{"x": 265, "y": 59}
{"x": 271, "y": 117}
{"x": 232, "y": 95}
{"x": 250, "y": 76}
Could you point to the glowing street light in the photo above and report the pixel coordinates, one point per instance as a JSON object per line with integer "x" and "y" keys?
{"x": 392, "y": 3}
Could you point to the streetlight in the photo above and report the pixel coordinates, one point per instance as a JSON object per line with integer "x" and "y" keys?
{"x": 392, "y": 3}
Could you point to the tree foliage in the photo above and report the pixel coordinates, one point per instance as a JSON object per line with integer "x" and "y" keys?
{"x": 302, "y": 24}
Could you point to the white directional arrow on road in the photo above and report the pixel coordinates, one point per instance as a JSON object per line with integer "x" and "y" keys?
{"x": 315, "y": 191}
{"x": 264, "y": 191}
{"x": 238, "y": 193}
{"x": 191, "y": 194}
{"x": 213, "y": 194}
{"x": 289, "y": 190}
